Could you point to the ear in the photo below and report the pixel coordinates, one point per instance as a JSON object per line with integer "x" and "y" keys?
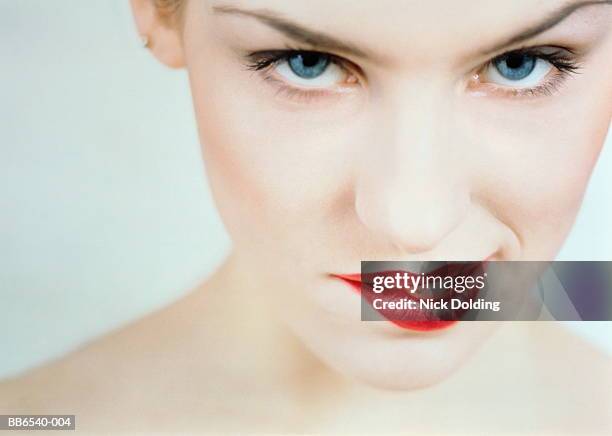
{"x": 163, "y": 36}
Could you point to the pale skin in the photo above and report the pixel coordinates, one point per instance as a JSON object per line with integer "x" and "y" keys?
{"x": 409, "y": 146}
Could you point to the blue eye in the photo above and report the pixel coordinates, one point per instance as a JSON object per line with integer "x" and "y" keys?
{"x": 515, "y": 66}
{"x": 308, "y": 65}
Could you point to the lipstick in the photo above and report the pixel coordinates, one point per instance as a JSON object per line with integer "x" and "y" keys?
{"x": 420, "y": 301}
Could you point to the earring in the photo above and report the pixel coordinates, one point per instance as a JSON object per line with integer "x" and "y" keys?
{"x": 144, "y": 40}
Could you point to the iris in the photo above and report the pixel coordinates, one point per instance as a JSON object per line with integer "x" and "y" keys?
{"x": 308, "y": 65}
{"x": 515, "y": 66}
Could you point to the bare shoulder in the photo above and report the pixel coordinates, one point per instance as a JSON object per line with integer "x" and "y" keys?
{"x": 137, "y": 367}
{"x": 165, "y": 368}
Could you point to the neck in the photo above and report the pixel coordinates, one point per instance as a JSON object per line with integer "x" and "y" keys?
{"x": 250, "y": 340}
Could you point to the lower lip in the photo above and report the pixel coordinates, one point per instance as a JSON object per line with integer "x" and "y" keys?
{"x": 421, "y": 326}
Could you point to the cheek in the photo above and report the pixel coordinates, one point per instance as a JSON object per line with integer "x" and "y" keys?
{"x": 272, "y": 169}
{"x": 536, "y": 163}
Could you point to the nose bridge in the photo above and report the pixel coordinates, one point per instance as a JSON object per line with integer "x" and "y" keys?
{"x": 410, "y": 191}
{"x": 412, "y": 116}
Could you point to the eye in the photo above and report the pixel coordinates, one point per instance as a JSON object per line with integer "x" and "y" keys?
{"x": 526, "y": 72}
{"x": 521, "y": 70}
{"x": 303, "y": 68}
{"x": 310, "y": 69}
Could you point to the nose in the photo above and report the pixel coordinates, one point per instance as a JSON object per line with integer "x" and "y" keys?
{"x": 411, "y": 189}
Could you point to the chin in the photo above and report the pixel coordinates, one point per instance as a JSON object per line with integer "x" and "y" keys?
{"x": 404, "y": 374}
{"x": 400, "y": 362}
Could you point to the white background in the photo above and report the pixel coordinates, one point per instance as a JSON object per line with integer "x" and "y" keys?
{"x": 104, "y": 209}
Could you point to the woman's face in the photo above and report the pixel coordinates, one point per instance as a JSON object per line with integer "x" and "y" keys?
{"x": 340, "y": 131}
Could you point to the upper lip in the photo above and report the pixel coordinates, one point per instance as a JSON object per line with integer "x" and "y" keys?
{"x": 448, "y": 269}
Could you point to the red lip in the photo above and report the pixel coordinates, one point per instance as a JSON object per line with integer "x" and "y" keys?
{"x": 430, "y": 321}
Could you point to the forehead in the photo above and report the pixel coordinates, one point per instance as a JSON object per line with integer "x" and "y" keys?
{"x": 405, "y": 24}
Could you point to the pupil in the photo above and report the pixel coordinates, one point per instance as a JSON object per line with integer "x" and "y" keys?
{"x": 310, "y": 59}
{"x": 515, "y": 61}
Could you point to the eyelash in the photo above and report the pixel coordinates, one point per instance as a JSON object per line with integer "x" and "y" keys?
{"x": 563, "y": 60}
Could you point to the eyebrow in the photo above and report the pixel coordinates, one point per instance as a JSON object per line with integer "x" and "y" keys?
{"x": 324, "y": 41}
{"x": 296, "y": 32}
{"x": 550, "y": 22}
